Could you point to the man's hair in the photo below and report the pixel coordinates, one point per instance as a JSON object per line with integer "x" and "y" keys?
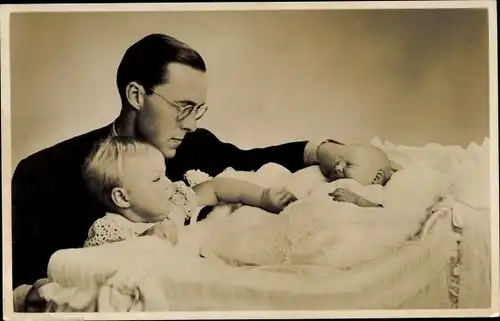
{"x": 102, "y": 169}
{"x": 146, "y": 61}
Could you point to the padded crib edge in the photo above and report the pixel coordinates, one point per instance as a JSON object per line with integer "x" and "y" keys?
{"x": 159, "y": 298}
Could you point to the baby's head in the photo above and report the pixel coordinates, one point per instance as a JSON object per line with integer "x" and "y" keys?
{"x": 127, "y": 174}
{"x": 364, "y": 163}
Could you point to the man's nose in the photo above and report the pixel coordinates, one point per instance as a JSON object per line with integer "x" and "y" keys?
{"x": 189, "y": 123}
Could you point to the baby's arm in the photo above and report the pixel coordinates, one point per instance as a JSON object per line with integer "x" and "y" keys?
{"x": 363, "y": 202}
{"x": 229, "y": 190}
{"x": 345, "y": 195}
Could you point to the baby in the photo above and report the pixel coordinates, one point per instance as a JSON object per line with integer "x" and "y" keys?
{"x": 128, "y": 175}
{"x": 363, "y": 163}
{"x": 306, "y": 228}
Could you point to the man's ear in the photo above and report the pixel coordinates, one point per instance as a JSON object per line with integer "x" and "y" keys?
{"x": 135, "y": 95}
{"x": 120, "y": 197}
{"x": 395, "y": 166}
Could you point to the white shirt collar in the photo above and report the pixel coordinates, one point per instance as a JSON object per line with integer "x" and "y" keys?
{"x": 113, "y": 130}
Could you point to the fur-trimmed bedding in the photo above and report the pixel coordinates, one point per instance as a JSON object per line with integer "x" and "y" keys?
{"x": 428, "y": 249}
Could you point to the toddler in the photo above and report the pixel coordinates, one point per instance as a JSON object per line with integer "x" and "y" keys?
{"x": 128, "y": 175}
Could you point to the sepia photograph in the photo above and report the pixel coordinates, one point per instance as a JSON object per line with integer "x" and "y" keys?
{"x": 264, "y": 160}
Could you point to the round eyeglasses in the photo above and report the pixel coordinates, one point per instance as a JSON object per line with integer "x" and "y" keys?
{"x": 185, "y": 111}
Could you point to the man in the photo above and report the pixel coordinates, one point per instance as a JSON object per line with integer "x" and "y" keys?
{"x": 162, "y": 85}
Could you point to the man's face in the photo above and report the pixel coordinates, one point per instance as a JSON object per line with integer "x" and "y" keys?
{"x": 157, "y": 119}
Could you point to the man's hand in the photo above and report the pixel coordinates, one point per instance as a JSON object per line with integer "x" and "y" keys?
{"x": 344, "y": 195}
{"x": 166, "y": 230}
{"x": 276, "y": 199}
{"x": 34, "y": 301}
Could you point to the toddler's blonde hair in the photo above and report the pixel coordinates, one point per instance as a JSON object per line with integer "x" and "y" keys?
{"x": 102, "y": 169}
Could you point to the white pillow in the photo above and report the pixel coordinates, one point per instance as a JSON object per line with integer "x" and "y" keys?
{"x": 416, "y": 187}
{"x": 270, "y": 174}
{"x": 302, "y": 182}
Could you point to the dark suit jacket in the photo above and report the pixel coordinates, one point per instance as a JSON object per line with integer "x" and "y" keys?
{"x": 52, "y": 210}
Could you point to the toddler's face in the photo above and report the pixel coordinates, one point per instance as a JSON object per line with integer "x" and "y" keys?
{"x": 148, "y": 189}
{"x": 364, "y": 163}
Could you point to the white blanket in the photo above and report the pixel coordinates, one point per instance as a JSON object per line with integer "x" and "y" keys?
{"x": 318, "y": 230}
{"x": 337, "y": 239}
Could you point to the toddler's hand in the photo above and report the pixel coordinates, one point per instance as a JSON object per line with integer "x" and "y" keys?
{"x": 34, "y": 301}
{"x": 344, "y": 195}
{"x": 276, "y": 199}
{"x": 165, "y": 230}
